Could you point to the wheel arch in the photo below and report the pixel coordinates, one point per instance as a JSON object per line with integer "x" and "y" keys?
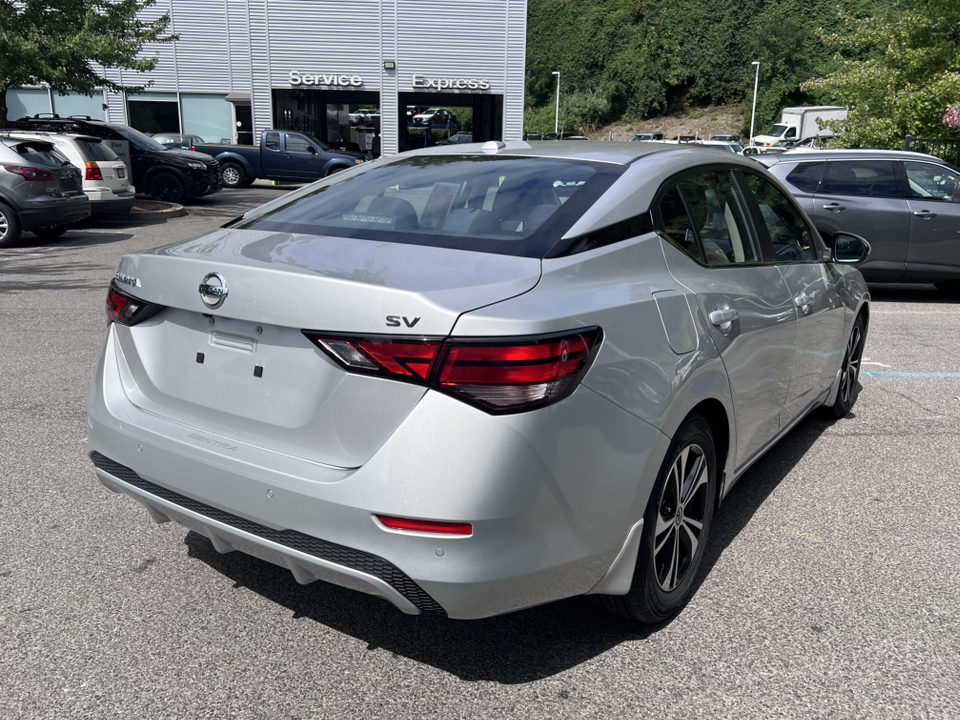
{"x": 159, "y": 169}
{"x": 714, "y": 412}
{"x": 238, "y": 159}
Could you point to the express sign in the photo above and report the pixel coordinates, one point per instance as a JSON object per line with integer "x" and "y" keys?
{"x": 331, "y": 80}
{"x": 420, "y": 81}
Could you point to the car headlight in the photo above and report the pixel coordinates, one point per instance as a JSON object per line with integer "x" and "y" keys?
{"x": 196, "y": 165}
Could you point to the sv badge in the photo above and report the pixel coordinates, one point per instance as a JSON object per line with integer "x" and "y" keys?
{"x": 394, "y": 321}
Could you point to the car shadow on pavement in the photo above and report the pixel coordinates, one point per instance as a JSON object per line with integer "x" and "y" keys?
{"x": 81, "y": 237}
{"x": 515, "y": 648}
{"x": 755, "y": 486}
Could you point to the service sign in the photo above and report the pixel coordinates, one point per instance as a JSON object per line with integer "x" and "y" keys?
{"x": 327, "y": 79}
{"x": 429, "y": 83}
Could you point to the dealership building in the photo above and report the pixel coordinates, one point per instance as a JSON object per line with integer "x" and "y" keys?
{"x": 345, "y": 71}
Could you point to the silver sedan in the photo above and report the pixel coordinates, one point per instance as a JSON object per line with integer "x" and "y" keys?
{"x": 478, "y": 378}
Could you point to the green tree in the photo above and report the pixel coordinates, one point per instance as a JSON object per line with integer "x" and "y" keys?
{"x": 899, "y": 73}
{"x": 68, "y": 44}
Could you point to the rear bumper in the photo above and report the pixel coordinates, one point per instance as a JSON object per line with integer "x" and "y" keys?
{"x": 55, "y": 211}
{"x": 107, "y": 203}
{"x": 551, "y": 497}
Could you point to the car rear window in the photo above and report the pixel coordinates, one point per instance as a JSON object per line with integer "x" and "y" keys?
{"x": 42, "y": 154}
{"x": 503, "y": 205}
{"x": 96, "y": 151}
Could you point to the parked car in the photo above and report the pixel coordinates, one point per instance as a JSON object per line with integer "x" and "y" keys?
{"x": 40, "y": 191}
{"x": 729, "y": 137}
{"x": 105, "y": 178}
{"x": 648, "y": 137}
{"x": 431, "y": 380}
{"x": 723, "y": 145}
{"x": 281, "y": 155}
{"x": 162, "y": 173}
{"x": 905, "y": 205}
{"x": 457, "y": 139}
{"x": 435, "y": 116}
{"x": 176, "y": 141}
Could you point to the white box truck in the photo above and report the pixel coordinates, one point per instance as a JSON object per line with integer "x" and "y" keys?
{"x": 800, "y": 123}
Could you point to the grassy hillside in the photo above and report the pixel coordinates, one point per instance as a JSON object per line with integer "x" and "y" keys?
{"x": 634, "y": 59}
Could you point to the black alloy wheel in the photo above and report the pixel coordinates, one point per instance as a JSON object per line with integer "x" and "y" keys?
{"x": 675, "y": 528}
{"x": 850, "y": 371}
{"x": 167, "y": 187}
{"x": 10, "y": 228}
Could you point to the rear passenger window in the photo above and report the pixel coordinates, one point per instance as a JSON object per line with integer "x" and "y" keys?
{"x": 806, "y": 176}
{"x": 676, "y": 223}
{"x": 864, "y": 178}
{"x": 272, "y": 141}
{"x": 788, "y": 229}
{"x": 707, "y": 208}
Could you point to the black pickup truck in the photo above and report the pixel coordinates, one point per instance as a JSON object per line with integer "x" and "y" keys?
{"x": 282, "y": 155}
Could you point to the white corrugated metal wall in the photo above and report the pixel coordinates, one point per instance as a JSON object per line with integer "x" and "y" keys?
{"x": 252, "y": 45}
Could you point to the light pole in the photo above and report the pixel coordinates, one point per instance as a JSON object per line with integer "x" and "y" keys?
{"x": 556, "y": 119}
{"x": 756, "y": 81}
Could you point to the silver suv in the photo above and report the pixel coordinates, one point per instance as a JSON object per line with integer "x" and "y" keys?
{"x": 40, "y": 190}
{"x": 905, "y": 205}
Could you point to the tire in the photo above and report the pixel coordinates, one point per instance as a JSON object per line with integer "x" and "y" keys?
{"x": 676, "y": 526}
{"x": 247, "y": 182}
{"x": 232, "y": 175}
{"x": 849, "y": 371}
{"x": 49, "y": 232}
{"x": 10, "y": 227}
{"x": 166, "y": 187}
{"x": 336, "y": 169}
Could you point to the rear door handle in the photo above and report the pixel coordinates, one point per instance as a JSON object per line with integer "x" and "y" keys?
{"x": 925, "y": 214}
{"x": 723, "y": 316}
{"x": 834, "y": 207}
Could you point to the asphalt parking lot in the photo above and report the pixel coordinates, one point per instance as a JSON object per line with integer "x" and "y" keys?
{"x": 831, "y": 588}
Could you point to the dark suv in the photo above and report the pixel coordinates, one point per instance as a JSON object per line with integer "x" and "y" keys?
{"x": 905, "y": 205}
{"x": 160, "y": 172}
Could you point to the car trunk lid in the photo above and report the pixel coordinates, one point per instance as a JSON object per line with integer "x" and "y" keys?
{"x": 242, "y": 370}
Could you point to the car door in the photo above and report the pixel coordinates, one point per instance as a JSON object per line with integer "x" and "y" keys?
{"x": 933, "y": 197}
{"x": 746, "y": 303}
{"x": 863, "y": 197}
{"x": 271, "y": 155}
{"x": 814, "y": 289}
{"x": 302, "y": 158}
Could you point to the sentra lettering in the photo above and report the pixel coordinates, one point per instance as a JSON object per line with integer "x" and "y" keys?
{"x": 421, "y": 81}
{"x": 215, "y": 443}
{"x": 333, "y": 80}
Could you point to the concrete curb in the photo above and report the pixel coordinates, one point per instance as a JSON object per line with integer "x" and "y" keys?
{"x": 146, "y": 212}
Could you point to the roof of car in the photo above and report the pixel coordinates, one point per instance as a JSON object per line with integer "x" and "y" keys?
{"x": 772, "y": 158}
{"x": 621, "y": 153}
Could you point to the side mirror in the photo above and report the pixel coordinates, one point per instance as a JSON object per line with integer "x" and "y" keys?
{"x": 312, "y": 150}
{"x": 850, "y": 249}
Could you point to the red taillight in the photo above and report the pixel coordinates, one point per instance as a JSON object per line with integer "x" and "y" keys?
{"x": 127, "y": 310}
{"x": 93, "y": 171}
{"x": 32, "y": 174}
{"x": 497, "y": 375}
{"x": 510, "y": 375}
{"x": 401, "y": 358}
{"x": 426, "y": 526}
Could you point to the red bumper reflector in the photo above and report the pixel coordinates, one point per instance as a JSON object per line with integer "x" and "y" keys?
{"x": 427, "y": 526}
